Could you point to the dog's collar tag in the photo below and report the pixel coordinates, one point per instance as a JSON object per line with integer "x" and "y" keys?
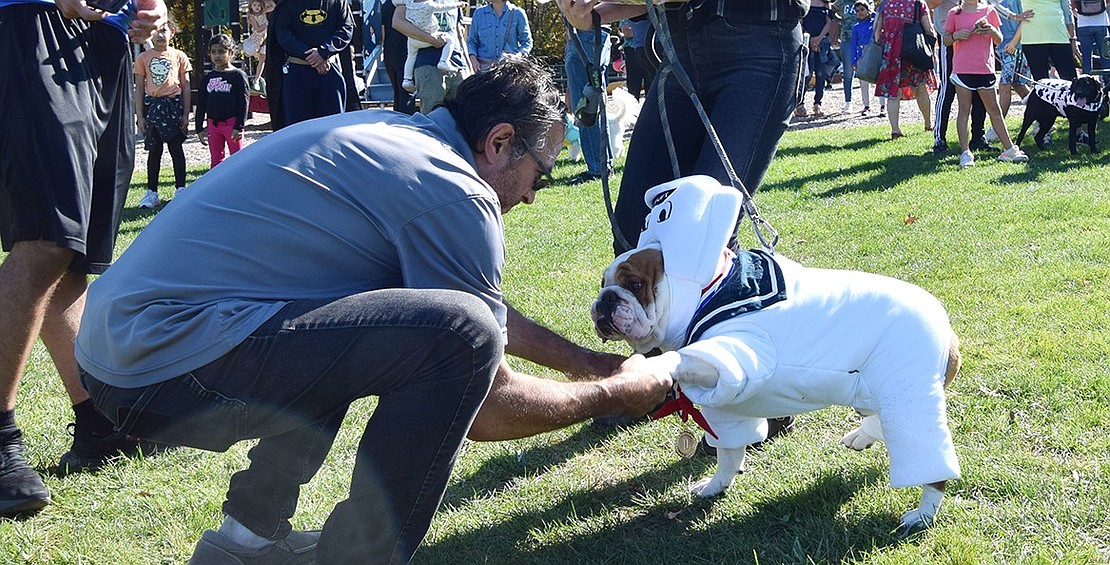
{"x": 686, "y": 444}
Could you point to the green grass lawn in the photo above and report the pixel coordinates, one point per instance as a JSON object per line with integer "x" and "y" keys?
{"x": 1020, "y": 254}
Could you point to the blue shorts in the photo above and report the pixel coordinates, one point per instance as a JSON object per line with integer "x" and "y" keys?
{"x": 1012, "y": 66}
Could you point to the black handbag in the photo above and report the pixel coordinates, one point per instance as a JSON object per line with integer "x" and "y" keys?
{"x": 917, "y": 46}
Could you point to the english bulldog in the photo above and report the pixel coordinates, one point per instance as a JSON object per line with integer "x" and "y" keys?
{"x": 753, "y": 335}
{"x": 1080, "y": 100}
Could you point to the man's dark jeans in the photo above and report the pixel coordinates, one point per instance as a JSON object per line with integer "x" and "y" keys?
{"x": 428, "y": 355}
{"x": 749, "y": 77}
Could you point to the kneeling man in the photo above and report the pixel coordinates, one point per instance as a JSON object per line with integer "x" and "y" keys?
{"x": 349, "y": 256}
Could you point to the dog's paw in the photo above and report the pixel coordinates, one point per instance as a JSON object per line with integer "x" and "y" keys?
{"x": 914, "y": 521}
{"x": 858, "y": 439}
{"x": 709, "y": 487}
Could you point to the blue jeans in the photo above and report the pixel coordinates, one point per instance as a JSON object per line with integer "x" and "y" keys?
{"x": 749, "y": 78}
{"x": 1090, "y": 41}
{"x": 428, "y": 355}
{"x": 590, "y": 137}
{"x": 846, "y": 70}
{"x": 815, "y": 67}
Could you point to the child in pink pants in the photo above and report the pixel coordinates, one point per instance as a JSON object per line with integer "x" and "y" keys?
{"x": 222, "y": 101}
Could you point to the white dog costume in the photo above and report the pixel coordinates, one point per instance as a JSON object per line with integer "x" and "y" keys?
{"x": 784, "y": 339}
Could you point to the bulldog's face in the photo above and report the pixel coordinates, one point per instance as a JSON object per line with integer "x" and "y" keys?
{"x": 633, "y": 302}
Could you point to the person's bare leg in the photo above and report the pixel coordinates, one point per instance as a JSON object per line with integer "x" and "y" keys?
{"x": 27, "y": 278}
{"x": 963, "y": 112}
{"x": 59, "y": 330}
{"x": 995, "y": 114}
{"x": 921, "y": 94}
{"x": 1005, "y": 95}
{"x": 892, "y": 104}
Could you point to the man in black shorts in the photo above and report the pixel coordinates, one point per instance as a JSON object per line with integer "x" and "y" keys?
{"x": 66, "y": 158}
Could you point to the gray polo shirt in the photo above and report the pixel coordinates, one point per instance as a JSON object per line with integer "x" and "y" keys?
{"x": 323, "y": 209}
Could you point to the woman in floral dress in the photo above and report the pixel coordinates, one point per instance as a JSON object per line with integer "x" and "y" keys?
{"x": 899, "y": 80}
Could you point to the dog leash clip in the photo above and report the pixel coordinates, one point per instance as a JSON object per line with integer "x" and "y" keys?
{"x": 682, "y": 405}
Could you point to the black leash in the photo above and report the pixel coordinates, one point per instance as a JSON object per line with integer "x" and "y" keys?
{"x": 593, "y": 107}
{"x": 591, "y": 110}
{"x": 764, "y": 231}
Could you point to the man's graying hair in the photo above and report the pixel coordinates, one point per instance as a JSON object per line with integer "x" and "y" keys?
{"x": 516, "y": 90}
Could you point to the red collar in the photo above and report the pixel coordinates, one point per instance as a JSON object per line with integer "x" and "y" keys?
{"x": 722, "y": 268}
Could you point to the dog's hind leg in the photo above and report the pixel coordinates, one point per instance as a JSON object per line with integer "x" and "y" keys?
{"x": 1025, "y": 123}
{"x": 730, "y": 462}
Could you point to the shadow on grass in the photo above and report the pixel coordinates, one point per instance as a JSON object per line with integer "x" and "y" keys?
{"x": 499, "y": 473}
{"x": 797, "y": 527}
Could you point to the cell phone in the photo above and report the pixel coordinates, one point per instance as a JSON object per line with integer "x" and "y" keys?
{"x": 110, "y": 6}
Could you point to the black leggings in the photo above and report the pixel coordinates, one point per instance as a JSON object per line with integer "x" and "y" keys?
{"x": 154, "y": 159}
{"x": 1044, "y": 55}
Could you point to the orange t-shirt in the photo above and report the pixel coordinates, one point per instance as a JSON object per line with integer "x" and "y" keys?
{"x": 161, "y": 71}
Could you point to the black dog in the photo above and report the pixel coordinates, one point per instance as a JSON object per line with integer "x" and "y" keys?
{"x": 1079, "y": 100}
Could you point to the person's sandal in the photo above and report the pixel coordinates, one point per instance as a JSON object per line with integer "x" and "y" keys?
{"x": 817, "y": 110}
{"x": 800, "y": 112}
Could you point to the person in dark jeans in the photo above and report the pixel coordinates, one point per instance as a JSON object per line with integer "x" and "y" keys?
{"x": 639, "y": 69}
{"x": 577, "y": 79}
{"x": 819, "y": 25}
{"x": 373, "y": 269}
{"x": 394, "y": 52}
{"x": 746, "y": 64}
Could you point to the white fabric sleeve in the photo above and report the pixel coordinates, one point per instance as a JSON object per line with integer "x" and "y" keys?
{"x": 743, "y": 359}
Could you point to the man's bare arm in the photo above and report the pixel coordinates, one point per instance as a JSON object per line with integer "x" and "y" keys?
{"x": 578, "y": 14}
{"x": 408, "y": 29}
{"x": 531, "y": 341}
{"x": 520, "y": 405}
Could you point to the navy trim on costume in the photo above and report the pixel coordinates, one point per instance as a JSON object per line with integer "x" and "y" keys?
{"x": 754, "y": 283}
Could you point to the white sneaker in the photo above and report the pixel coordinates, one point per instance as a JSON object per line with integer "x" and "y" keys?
{"x": 966, "y": 159}
{"x": 990, "y": 135}
{"x": 446, "y": 68}
{"x": 408, "y": 85}
{"x": 150, "y": 200}
{"x": 1013, "y": 155}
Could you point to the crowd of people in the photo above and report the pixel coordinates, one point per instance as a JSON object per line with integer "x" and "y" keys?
{"x": 390, "y": 288}
{"x": 1007, "y": 45}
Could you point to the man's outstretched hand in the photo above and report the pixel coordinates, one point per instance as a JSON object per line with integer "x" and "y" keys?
{"x": 638, "y": 386}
